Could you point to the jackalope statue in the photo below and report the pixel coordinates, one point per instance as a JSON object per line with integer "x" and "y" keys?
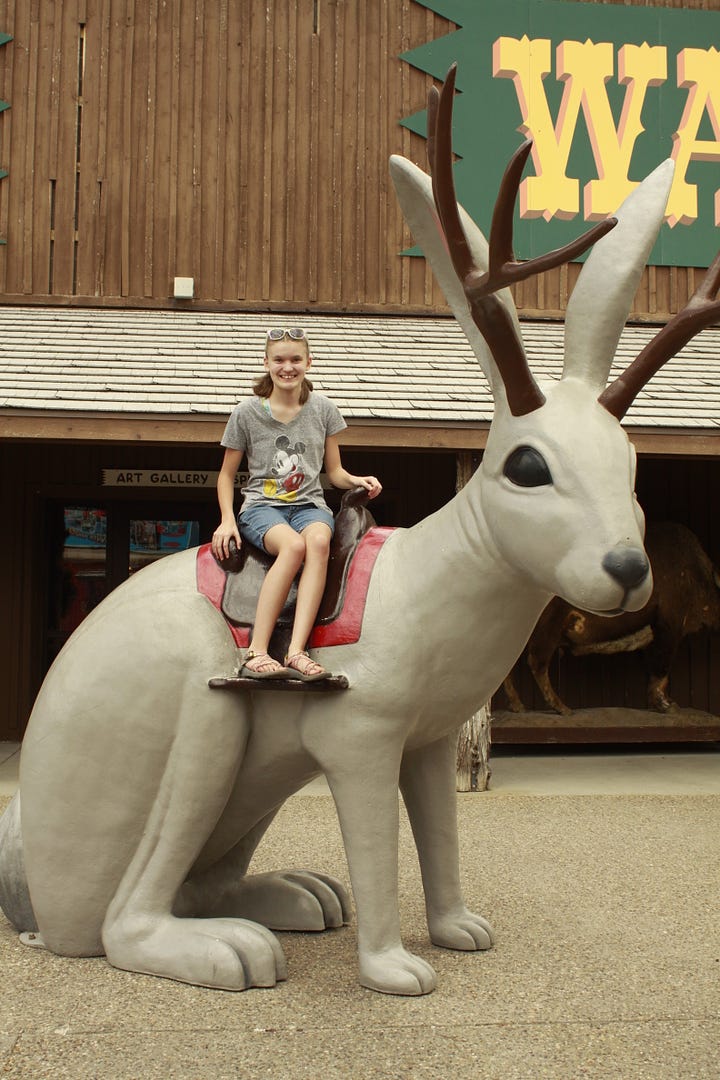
{"x": 145, "y": 792}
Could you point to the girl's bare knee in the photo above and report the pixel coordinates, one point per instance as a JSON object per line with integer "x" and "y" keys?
{"x": 294, "y": 549}
{"x": 283, "y": 542}
{"x": 317, "y": 543}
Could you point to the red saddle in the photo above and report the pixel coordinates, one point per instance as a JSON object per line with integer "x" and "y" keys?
{"x": 233, "y": 586}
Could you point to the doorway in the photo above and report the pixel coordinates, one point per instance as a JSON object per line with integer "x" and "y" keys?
{"x": 94, "y": 545}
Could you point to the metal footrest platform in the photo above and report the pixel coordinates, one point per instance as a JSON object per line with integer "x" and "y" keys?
{"x": 242, "y": 682}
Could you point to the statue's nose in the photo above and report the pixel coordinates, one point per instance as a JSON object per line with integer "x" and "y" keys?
{"x": 628, "y": 565}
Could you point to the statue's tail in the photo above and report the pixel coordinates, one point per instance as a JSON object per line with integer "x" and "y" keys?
{"x": 14, "y": 894}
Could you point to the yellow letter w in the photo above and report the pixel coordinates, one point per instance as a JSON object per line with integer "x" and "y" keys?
{"x": 585, "y": 68}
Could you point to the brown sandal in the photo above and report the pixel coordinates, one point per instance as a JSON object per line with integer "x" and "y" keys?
{"x": 301, "y": 666}
{"x": 262, "y": 660}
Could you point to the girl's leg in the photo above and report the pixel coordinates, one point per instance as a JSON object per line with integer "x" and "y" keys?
{"x": 316, "y": 538}
{"x": 288, "y": 547}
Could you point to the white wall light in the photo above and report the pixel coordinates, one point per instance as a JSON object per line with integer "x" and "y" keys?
{"x": 184, "y": 288}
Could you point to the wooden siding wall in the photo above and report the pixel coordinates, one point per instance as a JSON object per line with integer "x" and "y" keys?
{"x": 240, "y": 143}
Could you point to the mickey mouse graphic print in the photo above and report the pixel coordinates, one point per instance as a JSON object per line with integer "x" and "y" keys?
{"x": 284, "y": 460}
{"x": 287, "y": 471}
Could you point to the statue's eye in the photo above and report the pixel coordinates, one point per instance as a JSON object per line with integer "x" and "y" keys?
{"x": 527, "y": 468}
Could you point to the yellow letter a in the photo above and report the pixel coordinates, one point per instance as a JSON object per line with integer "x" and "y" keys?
{"x": 698, "y": 69}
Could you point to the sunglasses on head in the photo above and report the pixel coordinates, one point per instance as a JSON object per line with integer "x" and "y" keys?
{"x": 296, "y": 333}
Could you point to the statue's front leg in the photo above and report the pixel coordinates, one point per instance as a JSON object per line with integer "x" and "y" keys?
{"x": 427, "y": 782}
{"x": 363, "y": 778}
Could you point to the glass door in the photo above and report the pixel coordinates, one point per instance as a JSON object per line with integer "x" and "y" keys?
{"x": 151, "y": 539}
{"x": 77, "y": 575}
{"x": 93, "y": 547}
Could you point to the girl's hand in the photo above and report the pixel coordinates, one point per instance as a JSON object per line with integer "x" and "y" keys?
{"x": 221, "y": 539}
{"x": 371, "y": 484}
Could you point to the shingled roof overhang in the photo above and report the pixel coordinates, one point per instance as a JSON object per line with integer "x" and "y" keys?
{"x": 110, "y": 375}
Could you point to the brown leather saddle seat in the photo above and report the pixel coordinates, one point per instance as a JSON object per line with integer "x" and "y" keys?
{"x": 246, "y": 568}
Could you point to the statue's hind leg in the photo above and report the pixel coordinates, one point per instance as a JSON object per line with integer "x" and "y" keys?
{"x": 140, "y": 932}
{"x": 298, "y": 899}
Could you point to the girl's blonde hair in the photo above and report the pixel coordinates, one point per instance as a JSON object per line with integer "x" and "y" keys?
{"x": 263, "y": 387}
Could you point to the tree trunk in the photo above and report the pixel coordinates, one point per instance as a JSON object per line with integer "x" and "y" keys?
{"x": 473, "y": 749}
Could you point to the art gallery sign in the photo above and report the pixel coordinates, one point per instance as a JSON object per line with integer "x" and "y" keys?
{"x": 165, "y": 478}
{"x": 605, "y": 92}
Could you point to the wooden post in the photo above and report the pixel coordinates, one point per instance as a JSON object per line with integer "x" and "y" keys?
{"x": 473, "y": 748}
{"x": 473, "y": 753}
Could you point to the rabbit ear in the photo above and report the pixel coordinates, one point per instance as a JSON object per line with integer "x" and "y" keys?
{"x": 415, "y": 195}
{"x": 601, "y": 300}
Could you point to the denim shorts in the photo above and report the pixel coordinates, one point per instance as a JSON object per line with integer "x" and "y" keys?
{"x": 257, "y": 518}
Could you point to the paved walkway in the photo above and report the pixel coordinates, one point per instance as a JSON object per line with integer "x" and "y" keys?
{"x": 686, "y": 770}
{"x": 600, "y": 873}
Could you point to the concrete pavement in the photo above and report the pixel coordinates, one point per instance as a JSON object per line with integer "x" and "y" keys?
{"x": 603, "y": 891}
{"x": 692, "y": 769}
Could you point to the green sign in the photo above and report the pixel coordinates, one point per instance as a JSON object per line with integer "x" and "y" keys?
{"x": 605, "y": 92}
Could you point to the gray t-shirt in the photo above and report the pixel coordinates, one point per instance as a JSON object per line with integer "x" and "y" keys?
{"x": 284, "y": 460}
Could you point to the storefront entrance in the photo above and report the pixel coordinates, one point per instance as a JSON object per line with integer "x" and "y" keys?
{"x": 93, "y": 546}
{"x": 87, "y": 516}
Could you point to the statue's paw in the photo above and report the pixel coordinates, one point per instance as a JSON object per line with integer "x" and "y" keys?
{"x": 396, "y": 971}
{"x": 463, "y": 930}
{"x": 226, "y": 954}
{"x": 287, "y": 900}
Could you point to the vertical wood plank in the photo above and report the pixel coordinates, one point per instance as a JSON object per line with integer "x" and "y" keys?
{"x": 387, "y": 124}
{"x": 128, "y": 48}
{"x": 214, "y": 211}
{"x": 300, "y": 111}
{"x": 135, "y": 138}
{"x": 245, "y": 122}
{"x": 289, "y": 207}
{"x": 316, "y": 134}
{"x": 182, "y": 224}
{"x": 102, "y": 42}
{"x": 63, "y": 145}
{"x": 36, "y": 154}
{"x": 160, "y": 87}
{"x": 357, "y": 214}
{"x": 172, "y": 114}
{"x": 7, "y": 72}
{"x": 209, "y": 134}
{"x": 333, "y": 283}
{"x": 254, "y": 251}
{"x": 88, "y": 150}
{"x": 146, "y": 262}
{"x": 271, "y": 159}
{"x": 192, "y": 257}
{"x": 17, "y": 66}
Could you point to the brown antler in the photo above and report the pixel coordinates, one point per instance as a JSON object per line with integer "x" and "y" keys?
{"x": 489, "y": 313}
{"x": 701, "y": 311}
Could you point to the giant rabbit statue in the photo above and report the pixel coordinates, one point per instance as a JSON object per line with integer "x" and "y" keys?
{"x": 144, "y": 792}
